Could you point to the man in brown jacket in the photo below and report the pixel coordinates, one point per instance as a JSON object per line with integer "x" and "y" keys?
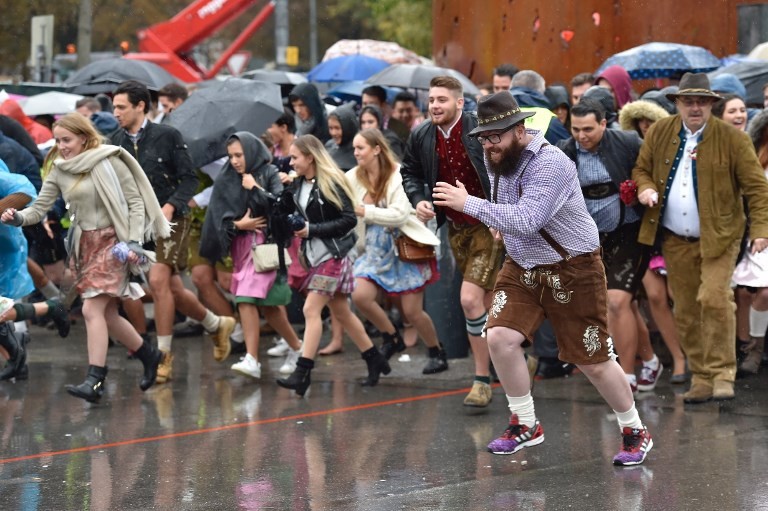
{"x": 692, "y": 172}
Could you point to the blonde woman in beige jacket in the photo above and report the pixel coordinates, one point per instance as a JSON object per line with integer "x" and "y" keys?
{"x": 110, "y": 201}
{"x": 384, "y": 212}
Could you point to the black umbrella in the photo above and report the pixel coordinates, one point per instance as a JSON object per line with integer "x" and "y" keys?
{"x": 753, "y": 74}
{"x": 212, "y": 114}
{"x": 418, "y": 76}
{"x": 285, "y": 79}
{"x": 275, "y": 76}
{"x": 103, "y": 76}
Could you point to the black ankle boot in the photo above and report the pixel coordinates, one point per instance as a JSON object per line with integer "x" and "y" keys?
{"x": 93, "y": 386}
{"x": 150, "y": 357}
{"x": 393, "y": 343}
{"x": 437, "y": 362}
{"x": 377, "y": 365}
{"x": 60, "y": 316}
{"x": 17, "y": 363}
{"x": 300, "y": 379}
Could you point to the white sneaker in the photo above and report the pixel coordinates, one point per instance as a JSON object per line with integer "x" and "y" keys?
{"x": 280, "y": 349}
{"x": 237, "y": 334}
{"x": 289, "y": 365}
{"x": 248, "y": 366}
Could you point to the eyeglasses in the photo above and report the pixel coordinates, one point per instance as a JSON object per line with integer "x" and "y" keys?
{"x": 493, "y": 138}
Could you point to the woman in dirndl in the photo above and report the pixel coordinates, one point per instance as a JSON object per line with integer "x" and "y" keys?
{"x": 238, "y": 219}
{"x": 110, "y": 201}
{"x": 324, "y": 198}
{"x": 751, "y": 277}
{"x": 384, "y": 213}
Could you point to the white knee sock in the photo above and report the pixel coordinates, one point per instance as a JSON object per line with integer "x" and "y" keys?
{"x": 758, "y": 322}
{"x": 629, "y": 419}
{"x": 523, "y": 407}
{"x": 210, "y": 322}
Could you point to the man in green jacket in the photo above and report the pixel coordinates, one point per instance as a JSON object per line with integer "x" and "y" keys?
{"x": 692, "y": 173}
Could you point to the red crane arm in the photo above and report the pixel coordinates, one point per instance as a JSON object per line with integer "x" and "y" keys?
{"x": 169, "y": 44}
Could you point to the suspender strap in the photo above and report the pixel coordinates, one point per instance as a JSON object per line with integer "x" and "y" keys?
{"x": 544, "y": 234}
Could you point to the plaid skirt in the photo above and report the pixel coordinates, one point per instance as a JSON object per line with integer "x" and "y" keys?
{"x": 330, "y": 277}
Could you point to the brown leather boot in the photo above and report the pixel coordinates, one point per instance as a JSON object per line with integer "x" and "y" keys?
{"x": 753, "y": 353}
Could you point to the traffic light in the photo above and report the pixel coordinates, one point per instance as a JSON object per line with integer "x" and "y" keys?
{"x": 125, "y": 47}
{"x": 71, "y": 49}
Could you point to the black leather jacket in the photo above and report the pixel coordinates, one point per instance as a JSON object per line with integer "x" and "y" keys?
{"x": 419, "y": 167}
{"x": 336, "y": 227}
{"x": 163, "y": 155}
{"x": 618, "y": 151}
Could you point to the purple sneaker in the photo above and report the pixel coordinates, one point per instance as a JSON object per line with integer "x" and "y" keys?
{"x": 516, "y": 437}
{"x": 634, "y": 447}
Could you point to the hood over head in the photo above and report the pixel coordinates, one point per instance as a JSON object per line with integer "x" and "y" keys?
{"x": 620, "y": 82}
{"x": 310, "y": 96}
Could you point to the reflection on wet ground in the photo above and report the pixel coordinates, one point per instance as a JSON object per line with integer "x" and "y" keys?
{"x": 212, "y": 440}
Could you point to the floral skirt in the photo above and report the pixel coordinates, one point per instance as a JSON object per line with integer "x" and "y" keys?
{"x": 98, "y": 271}
{"x": 381, "y": 265}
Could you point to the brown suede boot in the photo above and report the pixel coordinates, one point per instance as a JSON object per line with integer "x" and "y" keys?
{"x": 723, "y": 390}
{"x": 699, "y": 393}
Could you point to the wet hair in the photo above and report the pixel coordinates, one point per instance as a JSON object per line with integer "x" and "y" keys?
{"x": 288, "y": 120}
{"x": 582, "y": 78}
{"x": 718, "y": 107}
{"x": 509, "y": 70}
{"x": 374, "y": 111}
{"x": 387, "y": 164}
{"x": 136, "y": 91}
{"x": 530, "y": 80}
{"x": 448, "y": 82}
{"x": 174, "y": 92}
{"x": 405, "y": 96}
{"x": 330, "y": 178}
{"x": 377, "y": 91}
{"x": 91, "y": 104}
{"x": 77, "y": 125}
{"x": 589, "y": 106}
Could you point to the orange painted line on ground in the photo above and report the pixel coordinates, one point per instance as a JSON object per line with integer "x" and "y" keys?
{"x": 273, "y": 420}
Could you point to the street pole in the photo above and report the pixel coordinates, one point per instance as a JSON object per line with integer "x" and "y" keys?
{"x": 282, "y": 32}
{"x": 84, "y": 29}
{"x": 313, "y": 33}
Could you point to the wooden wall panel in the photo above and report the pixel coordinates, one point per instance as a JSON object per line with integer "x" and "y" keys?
{"x": 473, "y": 36}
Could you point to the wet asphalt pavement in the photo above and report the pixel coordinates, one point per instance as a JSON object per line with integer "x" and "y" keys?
{"x": 211, "y": 440}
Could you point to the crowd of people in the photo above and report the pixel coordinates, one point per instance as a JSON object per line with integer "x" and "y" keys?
{"x": 567, "y": 210}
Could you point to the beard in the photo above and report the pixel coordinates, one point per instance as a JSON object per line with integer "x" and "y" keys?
{"x": 508, "y": 159}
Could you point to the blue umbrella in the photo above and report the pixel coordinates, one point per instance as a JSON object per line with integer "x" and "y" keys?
{"x": 346, "y": 68}
{"x": 662, "y": 60}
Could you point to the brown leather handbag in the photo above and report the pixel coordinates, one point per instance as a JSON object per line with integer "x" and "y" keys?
{"x": 411, "y": 251}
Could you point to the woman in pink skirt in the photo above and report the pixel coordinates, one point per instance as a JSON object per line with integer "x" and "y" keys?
{"x": 110, "y": 201}
{"x": 238, "y": 217}
{"x": 324, "y": 198}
